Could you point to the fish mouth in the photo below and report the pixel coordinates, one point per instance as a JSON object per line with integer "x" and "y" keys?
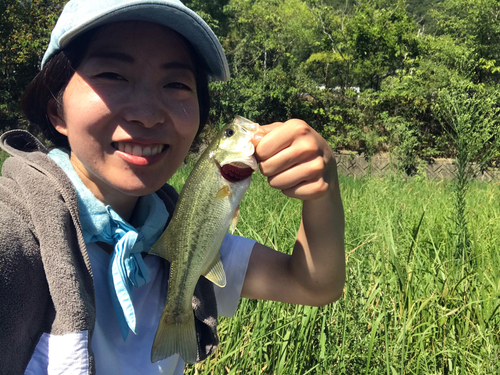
{"x": 235, "y": 172}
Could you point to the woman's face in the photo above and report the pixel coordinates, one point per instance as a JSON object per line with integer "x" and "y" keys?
{"x": 130, "y": 111}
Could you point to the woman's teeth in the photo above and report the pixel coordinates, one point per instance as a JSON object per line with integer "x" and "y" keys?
{"x": 136, "y": 150}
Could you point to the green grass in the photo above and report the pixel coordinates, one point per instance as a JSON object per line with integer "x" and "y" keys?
{"x": 3, "y": 156}
{"x": 410, "y": 306}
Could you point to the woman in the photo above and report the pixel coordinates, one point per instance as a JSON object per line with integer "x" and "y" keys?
{"x": 122, "y": 93}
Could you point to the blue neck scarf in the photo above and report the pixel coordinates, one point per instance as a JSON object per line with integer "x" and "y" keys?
{"x": 101, "y": 223}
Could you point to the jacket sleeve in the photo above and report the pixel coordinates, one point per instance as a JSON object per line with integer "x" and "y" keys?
{"x": 25, "y": 299}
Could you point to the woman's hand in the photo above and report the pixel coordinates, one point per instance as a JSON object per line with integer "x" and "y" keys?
{"x": 295, "y": 159}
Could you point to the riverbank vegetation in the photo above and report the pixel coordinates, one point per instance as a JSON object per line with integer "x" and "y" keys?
{"x": 412, "y": 304}
{"x": 367, "y": 74}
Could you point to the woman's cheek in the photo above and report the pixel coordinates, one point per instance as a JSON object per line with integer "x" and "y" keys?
{"x": 187, "y": 115}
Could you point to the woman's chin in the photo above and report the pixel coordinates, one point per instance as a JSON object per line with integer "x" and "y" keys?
{"x": 140, "y": 190}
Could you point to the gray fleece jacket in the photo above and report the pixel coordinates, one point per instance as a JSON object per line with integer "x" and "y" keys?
{"x": 46, "y": 282}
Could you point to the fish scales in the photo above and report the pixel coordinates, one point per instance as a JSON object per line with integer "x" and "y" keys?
{"x": 204, "y": 212}
{"x": 197, "y": 228}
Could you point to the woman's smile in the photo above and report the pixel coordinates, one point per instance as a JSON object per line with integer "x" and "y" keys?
{"x": 140, "y": 154}
{"x": 130, "y": 111}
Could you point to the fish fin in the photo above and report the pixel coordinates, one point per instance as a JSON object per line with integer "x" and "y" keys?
{"x": 223, "y": 192}
{"x": 234, "y": 220}
{"x": 216, "y": 272}
{"x": 159, "y": 250}
{"x": 175, "y": 338}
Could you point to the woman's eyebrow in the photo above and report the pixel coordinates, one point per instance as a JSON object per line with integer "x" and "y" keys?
{"x": 178, "y": 65}
{"x": 111, "y": 55}
{"x": 125, "y": 57}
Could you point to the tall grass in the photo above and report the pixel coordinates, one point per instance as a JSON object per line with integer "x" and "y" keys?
{"x": 409, "y": 305}
{"x": 471, "y": 121}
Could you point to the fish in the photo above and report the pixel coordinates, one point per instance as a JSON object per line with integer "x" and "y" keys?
{"x": 208, "y": 207}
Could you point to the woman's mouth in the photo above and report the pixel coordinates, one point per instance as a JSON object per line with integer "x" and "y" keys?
{"x": 138, "y": 150}
{"x": 142, "y": 155}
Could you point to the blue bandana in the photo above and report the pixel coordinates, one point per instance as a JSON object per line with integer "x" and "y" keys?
{"x": 102, "y": 223}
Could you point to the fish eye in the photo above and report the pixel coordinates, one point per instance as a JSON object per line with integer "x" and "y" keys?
{"x": 229, "y": 132}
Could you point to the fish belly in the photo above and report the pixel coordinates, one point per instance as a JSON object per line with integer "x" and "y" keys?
{"x": 193, "y": 238}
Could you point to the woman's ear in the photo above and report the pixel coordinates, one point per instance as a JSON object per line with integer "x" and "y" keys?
{"x": 56, "y": 117}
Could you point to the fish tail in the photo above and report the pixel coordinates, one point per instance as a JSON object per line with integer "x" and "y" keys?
{"x": 175, "y": 338}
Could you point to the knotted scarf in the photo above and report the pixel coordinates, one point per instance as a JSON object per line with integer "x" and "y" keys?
{"x": 101, "y": 223}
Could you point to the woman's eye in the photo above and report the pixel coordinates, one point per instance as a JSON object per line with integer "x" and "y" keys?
{"x": 111, "y": 75}
{"x": 178, "y": 85}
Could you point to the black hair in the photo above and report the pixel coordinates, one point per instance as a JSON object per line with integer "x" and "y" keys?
{"x": 53, "y": 78}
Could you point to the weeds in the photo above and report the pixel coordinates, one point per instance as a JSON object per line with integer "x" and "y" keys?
{"x": 471, "y": 120}
{"x": 409, "y": 306}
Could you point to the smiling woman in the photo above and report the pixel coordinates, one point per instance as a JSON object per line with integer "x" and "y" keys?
{"x": 58, "y": 70}
{"x": 122, "y": 93}
{"x": 134, "y": 87}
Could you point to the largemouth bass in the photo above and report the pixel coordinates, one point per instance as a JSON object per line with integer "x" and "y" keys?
{"x": 208, "y": 206}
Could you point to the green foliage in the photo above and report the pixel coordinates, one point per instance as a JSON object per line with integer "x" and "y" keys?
{"x": 475, "y": 24}
{"x": 212, "y": 12}
{"x": 365, "y": 74}
{"x": 406, "y": 99}
{"x": 364, "y": 43}
{"x": 24, "y": 34}
{"x": 403, "y": 141}
{"x": 266, "y": 42}
{"x": 3, "y": 156}
{"x": 470, "y": 116}
{"x": 409, "y": 306}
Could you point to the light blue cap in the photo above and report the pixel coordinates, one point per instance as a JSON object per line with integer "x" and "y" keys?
{"x": 79, "y": 16}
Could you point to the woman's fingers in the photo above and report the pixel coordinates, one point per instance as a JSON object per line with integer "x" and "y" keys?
{"x": 295, "y": 158}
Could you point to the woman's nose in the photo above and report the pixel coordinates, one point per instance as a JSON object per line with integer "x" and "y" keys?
{"x": 146, "y": 108}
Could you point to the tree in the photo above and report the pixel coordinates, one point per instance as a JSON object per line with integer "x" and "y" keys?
{"x": 212, "y": 12}
{"x": 266, "y": 42}
{"x": 474, "y": 24}
{"x": 363, "y": 43}
{"x": 24, "y": 34}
